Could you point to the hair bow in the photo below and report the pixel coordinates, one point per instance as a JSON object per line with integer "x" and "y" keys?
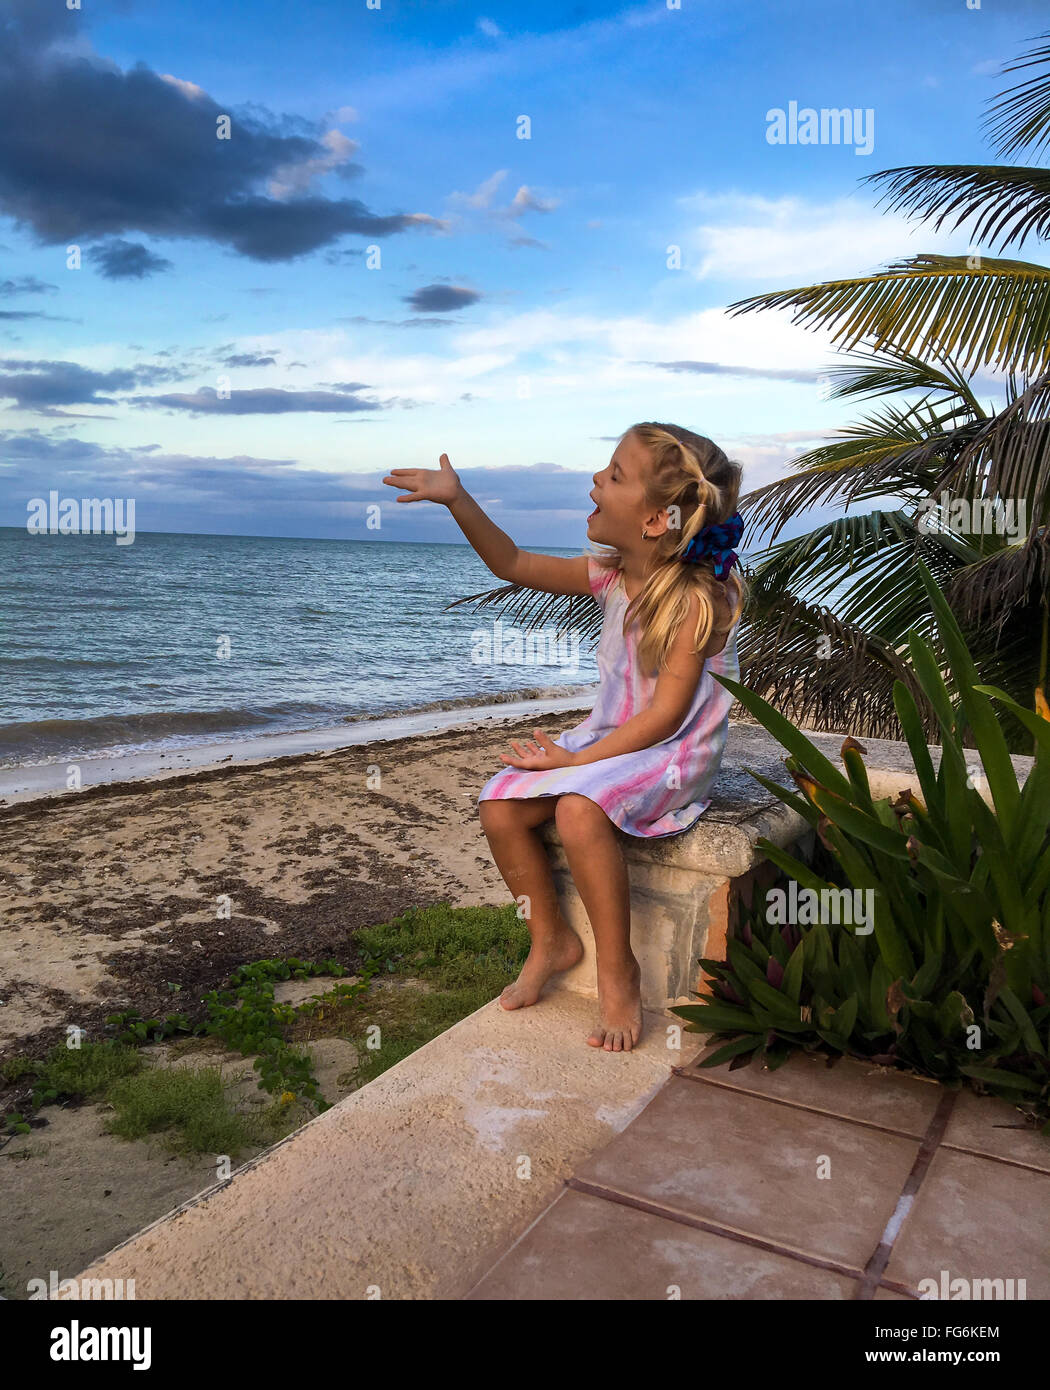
{"x": 716, "y": 542}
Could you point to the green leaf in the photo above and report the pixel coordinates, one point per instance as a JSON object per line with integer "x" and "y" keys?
{"x": 786, "y": 734}
{"x": 908, "y": 714}
{"x": 991, "y": 742}
{"x": 861, "y": 826}
{"x": 1020, "y": 1015}
{"x": 993, "y": 1076}
{"x": 793, "y": 973}
{"x": 733, "y": 1049}
{"x": 797, "y": 803}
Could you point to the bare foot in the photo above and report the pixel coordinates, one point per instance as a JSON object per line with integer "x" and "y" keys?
{"x": 619, "y": 1025}
{"x": 558, "y": 952}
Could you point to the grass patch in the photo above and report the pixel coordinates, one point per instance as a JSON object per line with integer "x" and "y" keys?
{"x": 465, "y": 957}
{"x": 453, "y": 947}
{"x": 188, "y": 1106}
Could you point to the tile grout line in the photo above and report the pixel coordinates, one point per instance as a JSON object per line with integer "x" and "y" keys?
{"x": 795, "y": 1105}
{"x": 997, "y": 1158}
{"x": 931, "y": 1140}
{"x": 688, "y": 1075}
{"x": 699, "y": 1223}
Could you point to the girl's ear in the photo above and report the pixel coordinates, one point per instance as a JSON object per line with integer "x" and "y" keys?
{"x": 657, "y": 522}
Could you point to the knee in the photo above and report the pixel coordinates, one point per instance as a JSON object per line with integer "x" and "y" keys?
{"x": 577, "y": 817}
{"x": 497, "y": 817}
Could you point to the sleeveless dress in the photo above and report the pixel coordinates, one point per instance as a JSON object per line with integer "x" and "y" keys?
{"x": 636, "y": 790}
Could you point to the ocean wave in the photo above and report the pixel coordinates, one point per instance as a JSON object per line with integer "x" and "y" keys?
{"x": 487, "y": 697}
{"x": 39, "y": 738}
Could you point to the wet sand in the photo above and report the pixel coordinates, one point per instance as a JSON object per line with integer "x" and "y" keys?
{"x": 112, "y": 893}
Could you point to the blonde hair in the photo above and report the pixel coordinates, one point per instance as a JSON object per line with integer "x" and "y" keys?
{"x": 690, "y": 472}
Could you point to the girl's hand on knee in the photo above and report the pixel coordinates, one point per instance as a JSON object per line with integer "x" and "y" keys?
{"x": 427, "y": 484}
{"x": 539, "y": 756}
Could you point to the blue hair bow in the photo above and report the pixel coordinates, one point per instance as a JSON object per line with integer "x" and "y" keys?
{"x": 716, "y": 542}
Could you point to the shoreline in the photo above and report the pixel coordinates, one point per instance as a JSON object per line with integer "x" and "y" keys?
{"x": 48, "y": 781}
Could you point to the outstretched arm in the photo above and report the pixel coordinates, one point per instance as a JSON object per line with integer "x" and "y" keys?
{"x": 552, "y": 574}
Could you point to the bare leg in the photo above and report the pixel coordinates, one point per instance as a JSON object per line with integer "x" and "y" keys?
{"x": 600, "y": 874}
{"x": 509, "y": 826}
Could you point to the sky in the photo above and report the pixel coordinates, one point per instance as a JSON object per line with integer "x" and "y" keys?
{"x": 501, "y": 232}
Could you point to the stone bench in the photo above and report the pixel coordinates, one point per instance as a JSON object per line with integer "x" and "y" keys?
{"x": 686, "y": 888}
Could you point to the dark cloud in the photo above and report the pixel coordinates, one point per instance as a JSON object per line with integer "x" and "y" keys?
{"x": 25, "y": 284}
{"x": 270, "y": 400}
{"x": 249, "y": 359}
{"x": 435, "y": 299}
{"x": 127, "y": 260}
{"x": 35, "y": 385}
{"x": 42, "y": 386}
{"x": 719, "y": 369}
{"x": 88, "y": 151}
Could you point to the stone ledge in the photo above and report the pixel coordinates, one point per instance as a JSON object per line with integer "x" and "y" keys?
{"x": 414, "y": 1184}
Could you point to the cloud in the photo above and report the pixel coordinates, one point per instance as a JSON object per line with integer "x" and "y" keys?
{"x": 721, "y": 369}
{"x": 481, "y": 202}
{"x": 262, "y": 401}
{"x": 435, "y": 299}
{"x": 25, "y": 284}
{"x": 124, "y": 260}
{"x": 64, "y": 176}
{"x": 40, "y": 386}
{"x": 790, "y": 241}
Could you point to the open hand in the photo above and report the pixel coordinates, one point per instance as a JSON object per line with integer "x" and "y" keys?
{"x": 427, "y": 484}
{"x": 539, "y": 756}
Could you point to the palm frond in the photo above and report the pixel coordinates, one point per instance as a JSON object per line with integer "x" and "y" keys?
{"x": 862, "y": 463}
{"x": 532, "y": 608}
{"x": 892, "y": 370}
{"x": 1021, "y": 115}
{"x": 825, "y": 673}
{"x": 1006, "y": 456}
{"x": 985, "y": 592}
{"x": 995, "y": 311}
{"x": 1010, "y": 203}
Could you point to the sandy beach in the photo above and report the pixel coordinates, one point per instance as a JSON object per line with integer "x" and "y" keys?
{"x": 111, "y": 892}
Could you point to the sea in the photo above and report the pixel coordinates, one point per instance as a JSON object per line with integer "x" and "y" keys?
{"x": 178, "y": 641}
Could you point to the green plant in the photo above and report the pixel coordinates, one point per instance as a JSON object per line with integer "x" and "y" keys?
{"x": 245, "y": 1016}
{"x": 136, "y": 1029}
{"x": 954, "y": 977}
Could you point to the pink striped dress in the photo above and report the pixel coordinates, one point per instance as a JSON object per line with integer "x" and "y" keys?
{"x": 638, "y": 791}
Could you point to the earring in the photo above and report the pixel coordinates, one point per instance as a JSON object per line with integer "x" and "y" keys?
{"x": 645, "y": 534}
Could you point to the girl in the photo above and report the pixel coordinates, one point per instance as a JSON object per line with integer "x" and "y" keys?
{"x": 645, "y": 757}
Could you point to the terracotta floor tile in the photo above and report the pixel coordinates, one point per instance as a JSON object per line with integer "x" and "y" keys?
{"x": 977, "y": 1219}
{"x": 587, "y": 1248}
{"x": 881, "y": 1295}
{"x": 973, "y": 1127}
{"x": 849, "y": 1088}
{"x": 750, "y": 1164}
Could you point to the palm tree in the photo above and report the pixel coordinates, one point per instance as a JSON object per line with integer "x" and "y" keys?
{"x": 925, "y": 321}
{"x": 835, "y": 669}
